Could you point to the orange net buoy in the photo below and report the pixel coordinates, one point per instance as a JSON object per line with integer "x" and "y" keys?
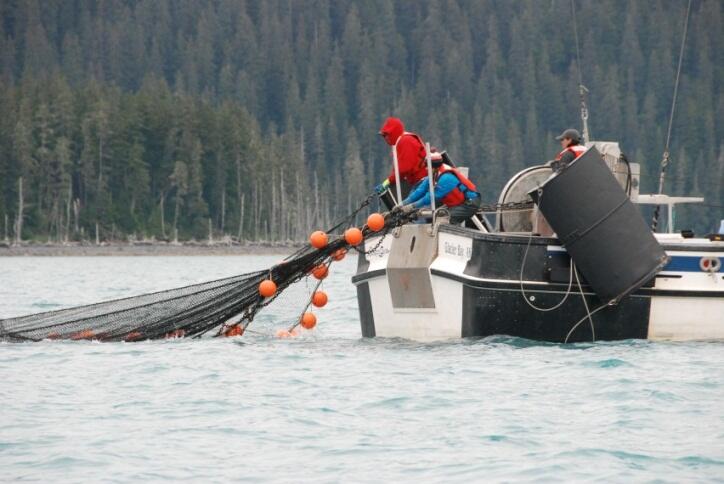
{"x": 319, "y": 299}
{"x": 318, "y": 239}
{"x": 376, "y": 222}
{"x": 283, "y": 334}
{"x": 235, "y": 330}
{"x": 320, "y": 272}
{"x": 85, "y": 334}
{"x": 133, "y": 336}
{"x": 353, "y": 236}
{"x": 309, "y": 320}
{"x": 267, "y": 288}
{"x": 339, "y": 254}
{"x": 53, "y": 335}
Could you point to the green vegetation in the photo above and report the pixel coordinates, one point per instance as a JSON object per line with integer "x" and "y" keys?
{"x": 258, "y": 119}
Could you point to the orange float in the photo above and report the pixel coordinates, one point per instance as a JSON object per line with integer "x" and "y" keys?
{"x": 318, "y": 239}
{"x": 319, "y": 299}
{"x": 309, "y": 320}
{"x": 85, "y": 334}
{"x": 283, "y": 334}
{"x": 235, "y": 330}
{"x": 339, "y": 254}
{"x": 267, "y": 288}
{"x": 53, "y": 335}
{"x": 353, "y": 236}
{"x": 320, "y": 272}
{"x": 133, "y": 336}
{"x": 376, "y": 222}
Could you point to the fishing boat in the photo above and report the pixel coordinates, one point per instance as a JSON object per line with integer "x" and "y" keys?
{"x": 515, "y": 276}
{"x": 579, "y": 264}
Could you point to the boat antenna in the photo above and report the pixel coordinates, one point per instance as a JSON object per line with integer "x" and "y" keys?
{"x": 582, "y": 90}
{"x": 665, "y": 158}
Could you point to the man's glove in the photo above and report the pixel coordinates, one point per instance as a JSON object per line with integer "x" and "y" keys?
{"x": 408, "y": 209}
{"x": 382, "y": 187}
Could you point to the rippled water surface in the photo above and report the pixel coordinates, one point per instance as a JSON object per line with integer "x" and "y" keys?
{"x": 330, "y": 406}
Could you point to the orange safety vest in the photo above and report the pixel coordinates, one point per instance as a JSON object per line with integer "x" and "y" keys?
{"x": 457, "y": 194}
{"x": 577, "y": 151}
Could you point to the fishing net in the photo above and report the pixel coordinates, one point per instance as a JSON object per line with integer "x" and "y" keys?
{"x": 221, "y": 307}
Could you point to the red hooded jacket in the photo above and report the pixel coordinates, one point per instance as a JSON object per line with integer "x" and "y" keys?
{"x": 410, "y": 151}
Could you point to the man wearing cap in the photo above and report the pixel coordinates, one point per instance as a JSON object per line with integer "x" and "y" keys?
{"x": 570, "y": 142}
{"x": 410, "y": 152}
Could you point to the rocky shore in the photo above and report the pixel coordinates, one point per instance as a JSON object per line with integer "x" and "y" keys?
{"x": 143, "y": 249}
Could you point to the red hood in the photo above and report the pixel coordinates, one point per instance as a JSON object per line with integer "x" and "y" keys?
{"x": 394, "y": 128}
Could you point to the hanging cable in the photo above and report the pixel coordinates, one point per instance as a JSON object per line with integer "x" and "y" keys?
{"x": 522, "y": 289}
{"x": 665, "y": 158}
{"x": 587, "y": 315}
{"x": 585, "y": 304}
{"x": 582, "y": 90}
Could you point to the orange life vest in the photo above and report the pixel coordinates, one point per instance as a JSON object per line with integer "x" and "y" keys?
{"x": 457, "y": 194}
{"x": 577, "y": 151}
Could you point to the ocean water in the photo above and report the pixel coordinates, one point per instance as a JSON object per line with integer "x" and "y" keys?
{"x": 330, "y": 406}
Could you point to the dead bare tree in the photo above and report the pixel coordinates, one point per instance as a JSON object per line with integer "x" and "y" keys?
{"x": 76, "y": 215}
{"x": 241, "y": 217}
{"x": 68, "y": 202}
{"x": 223, "y": 210}
{"x": 19, "y": 216}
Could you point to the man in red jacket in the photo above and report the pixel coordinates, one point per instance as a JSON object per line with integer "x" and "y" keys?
{"x": 410, "y": 152}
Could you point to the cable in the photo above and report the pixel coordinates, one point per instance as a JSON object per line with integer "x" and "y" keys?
{"x": 665, "y": 158}
{"x": 588, "y": 315}
{"x": 678, "y": 75}
{"x": 585, "y": 304}
{"x": 522, "y": 290}
{"x": 575, "y": 34}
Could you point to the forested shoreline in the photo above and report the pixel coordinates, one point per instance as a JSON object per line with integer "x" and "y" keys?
{"x": 257, "y": 120}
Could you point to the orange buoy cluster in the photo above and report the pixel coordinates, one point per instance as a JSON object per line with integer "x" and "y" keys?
{"x": 267, "y": 288}
{"x": 318, "y": 239}
{"x": 319, "y": 299}
{"x": 376, "y": 222}
{"x": 353, "y": 236}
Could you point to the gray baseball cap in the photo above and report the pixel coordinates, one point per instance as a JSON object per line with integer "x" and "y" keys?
{"x": 570, "y": 133}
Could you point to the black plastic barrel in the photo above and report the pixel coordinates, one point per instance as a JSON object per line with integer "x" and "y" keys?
{"x": 602, "y": 230}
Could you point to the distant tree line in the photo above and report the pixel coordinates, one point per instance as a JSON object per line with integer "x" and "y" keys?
{"x": 258, "y": 120}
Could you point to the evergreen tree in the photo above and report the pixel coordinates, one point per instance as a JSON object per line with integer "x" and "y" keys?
{"x": 141, "y": 117}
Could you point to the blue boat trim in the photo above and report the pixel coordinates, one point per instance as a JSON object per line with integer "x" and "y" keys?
{"x": 686, "y": 263}
{"x": 678, "y": 263}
